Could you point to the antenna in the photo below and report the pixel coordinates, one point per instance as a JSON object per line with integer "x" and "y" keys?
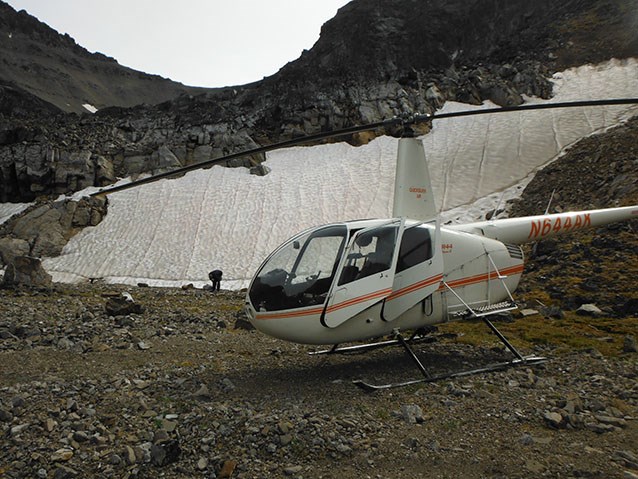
{"x": 500, "y": 200}
{"x": 549, "y": 203}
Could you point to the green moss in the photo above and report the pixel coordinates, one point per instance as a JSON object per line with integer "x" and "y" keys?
{"x": 571, "y": 333}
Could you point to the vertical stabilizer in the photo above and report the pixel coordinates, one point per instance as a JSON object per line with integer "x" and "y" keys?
{"x": 413, "y": 197}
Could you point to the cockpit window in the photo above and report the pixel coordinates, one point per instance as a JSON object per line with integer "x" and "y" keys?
{"x": 371, "y": 253}
{"x": 300, "y": 273}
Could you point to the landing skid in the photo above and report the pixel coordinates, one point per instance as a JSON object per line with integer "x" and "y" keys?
{"x": 420, "y": 336}
{"x": 526, "y": 361}
{"x": 428, "y": 378}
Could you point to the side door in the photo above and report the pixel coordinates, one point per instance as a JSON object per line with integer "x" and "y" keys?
{"x": 419, "y": 269}
{"x": 366, "y": 273}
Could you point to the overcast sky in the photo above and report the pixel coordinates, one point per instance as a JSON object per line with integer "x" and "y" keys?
{"x": 208, "y": 43}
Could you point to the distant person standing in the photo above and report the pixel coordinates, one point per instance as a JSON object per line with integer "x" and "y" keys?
{"x": 216, "y": 277}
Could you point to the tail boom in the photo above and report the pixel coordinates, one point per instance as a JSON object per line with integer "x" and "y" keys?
{"x": 534, "y": 228}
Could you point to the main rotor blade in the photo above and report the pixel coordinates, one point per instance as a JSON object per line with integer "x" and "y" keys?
{"x": 254, "y": 151}
{"x": 392, "y": 122}
{"x": 535, "y": 106}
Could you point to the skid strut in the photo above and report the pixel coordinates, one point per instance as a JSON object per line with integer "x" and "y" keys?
{"x": 428, "y": 378}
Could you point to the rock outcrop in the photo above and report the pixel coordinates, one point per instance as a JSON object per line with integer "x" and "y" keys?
{"x": 44, "y": 229}
{"x": 377, "y": 60}
{"x": 26, "y": 271}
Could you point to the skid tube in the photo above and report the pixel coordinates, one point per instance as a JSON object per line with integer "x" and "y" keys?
{"x": 419, "y": 336}
{"x": 428, "y": 378}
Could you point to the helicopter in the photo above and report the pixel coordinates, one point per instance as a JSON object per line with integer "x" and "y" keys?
{"x": 367, "y": 279}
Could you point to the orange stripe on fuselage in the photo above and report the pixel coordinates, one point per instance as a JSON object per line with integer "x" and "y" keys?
{"x": 457, "y": 283}
{"x": 289, "y": 314}
{"x": 415, "y": 287}
{"x": 315, "y": 311}
{"x": 360, "y": 299}
{"x": 479, "y": 278}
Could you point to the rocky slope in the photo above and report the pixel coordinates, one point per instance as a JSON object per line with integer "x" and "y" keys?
{"x": 597, "y": 266}
{"x": 39, "y": 63}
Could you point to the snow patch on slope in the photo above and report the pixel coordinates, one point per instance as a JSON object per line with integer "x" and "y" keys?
{"x": 7, "y": 210}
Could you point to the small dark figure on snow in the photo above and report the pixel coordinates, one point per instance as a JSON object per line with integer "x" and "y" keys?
{"x": 216, "y": 277}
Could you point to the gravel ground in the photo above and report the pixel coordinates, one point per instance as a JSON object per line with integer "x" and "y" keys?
{"x": 177, "y": 391}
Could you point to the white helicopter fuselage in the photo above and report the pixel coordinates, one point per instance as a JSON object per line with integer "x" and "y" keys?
{"x": 467, "y": 270}
{"x": 363, "y": 279}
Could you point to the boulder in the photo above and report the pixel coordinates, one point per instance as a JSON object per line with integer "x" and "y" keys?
{"x": 166, "y": 452}
{"x": 202, "y": 153}
{"x": 122, "y": 305}
{"x": 629, "y": 308}
{"x": 260, "y": 170}
{"x": 166, "y": 159}
{"x": 104, "y": 170}
{"x": 553, "y": 312}
{"x": 26, "y": 271}
{"x": 243, "y": 323}
{"x": 630, "y": 345}
{"x": 87, "y": 212}
{"x": 74, "y": 170}
{"x": 45, "y": 229}
{"x": 50, "y": 241}
{"x": 434, "y": 96}
{"x": 12, "y": 247}
{"x": 33, "y": 221}
{"x": 555, "y": 419}
{"x": 589, "y": 310}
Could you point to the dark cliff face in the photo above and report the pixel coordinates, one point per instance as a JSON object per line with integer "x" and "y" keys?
{"x": 386, "y": 39}
{"x": 381, "y": 38}
{"x": 16, "y": 102}
{"x": 374, "y": 60}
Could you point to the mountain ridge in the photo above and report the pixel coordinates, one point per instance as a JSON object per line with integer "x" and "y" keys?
{"x": 39, "y": 61}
